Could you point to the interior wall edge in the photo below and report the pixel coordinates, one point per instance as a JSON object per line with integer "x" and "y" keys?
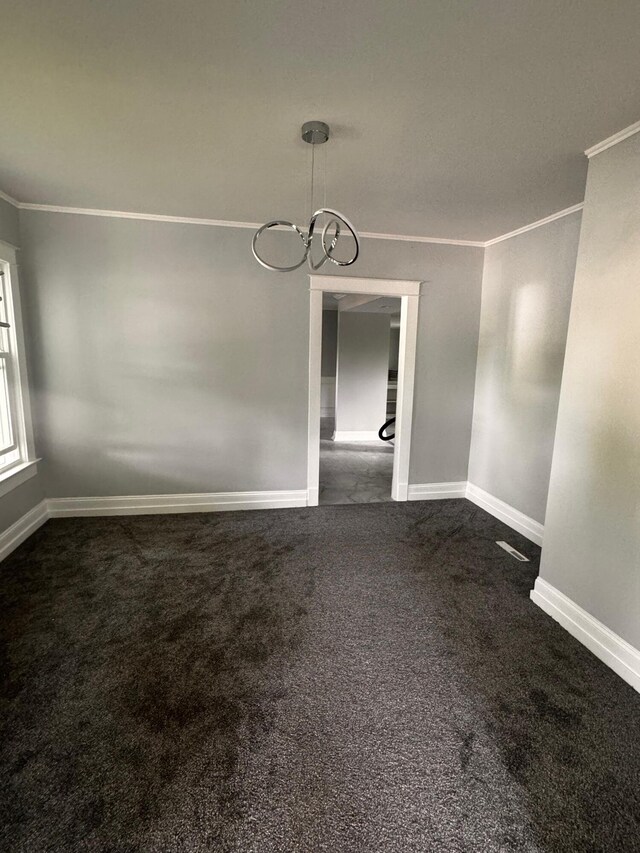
{"x": 592, "y": 543}
{"x": 544, "y": 258}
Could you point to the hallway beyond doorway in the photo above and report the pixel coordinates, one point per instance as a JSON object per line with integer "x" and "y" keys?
{"x": 353, "y": 472}
{"x": 354, "y": 289}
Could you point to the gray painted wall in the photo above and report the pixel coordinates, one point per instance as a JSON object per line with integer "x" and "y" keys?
{"x": 394, "y": 347}
{"x": 526, "y": 298}
{"x": 9, "y": 223}
{"x": 591, "y": 547}
{"x": 167, "y": 360}
{"x": 448, "y": 324}
{"x": 19, "y": 501}
{"x": 329, "y": 342}
{"x": 23, "y": 498}
{"x": 363, "y": 368}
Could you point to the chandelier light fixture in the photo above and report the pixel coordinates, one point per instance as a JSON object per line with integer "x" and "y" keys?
{"x": 315, "y": 133}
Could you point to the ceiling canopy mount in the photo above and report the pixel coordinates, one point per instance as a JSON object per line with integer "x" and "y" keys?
{"x": 315, "y": 132}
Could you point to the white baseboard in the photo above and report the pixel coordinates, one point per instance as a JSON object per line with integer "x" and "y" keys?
{"x": 619, "y": 655}
{"x": 436, "y": 491}
{"x": 328, "y": 397}
{"x": 356, "y": 435}
{"x": 150, "y": 504}
{"x": 528, "y": 527}
{"x": 23, "y": 527}
{"x": 143, "y": 505}
{"x": 400, "y": 492}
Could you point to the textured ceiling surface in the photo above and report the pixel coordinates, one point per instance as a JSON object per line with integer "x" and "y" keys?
{"x": 450, "y": 118}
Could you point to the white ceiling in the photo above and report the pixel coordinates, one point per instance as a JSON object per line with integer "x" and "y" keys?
{"x": 461, "y": 119}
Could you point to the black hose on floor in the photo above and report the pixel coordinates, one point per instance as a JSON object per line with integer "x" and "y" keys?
{"x": 385, "y": 426}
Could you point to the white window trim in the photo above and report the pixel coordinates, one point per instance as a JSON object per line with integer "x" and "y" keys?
{"x": 25, "y": 467}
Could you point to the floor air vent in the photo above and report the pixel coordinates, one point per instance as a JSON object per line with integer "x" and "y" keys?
{"x": 513, "y": 552}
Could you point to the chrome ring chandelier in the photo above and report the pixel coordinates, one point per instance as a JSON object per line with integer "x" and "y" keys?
{"x": 315, "y": 133}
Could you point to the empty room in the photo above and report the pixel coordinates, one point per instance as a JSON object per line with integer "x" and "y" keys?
{"x": 320, "y": 426}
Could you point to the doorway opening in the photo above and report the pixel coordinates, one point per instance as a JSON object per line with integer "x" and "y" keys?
{"x": 360, "y": 337}
{"x": 359, "y": 379}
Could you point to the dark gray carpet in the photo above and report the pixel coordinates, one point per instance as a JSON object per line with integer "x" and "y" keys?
{"x": 355, "y": 678}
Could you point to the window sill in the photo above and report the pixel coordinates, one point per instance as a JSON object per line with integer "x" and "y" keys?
{"x": 14, "y": 477}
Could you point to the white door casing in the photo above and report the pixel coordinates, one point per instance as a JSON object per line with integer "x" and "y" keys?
{"x": 409, "y": 294}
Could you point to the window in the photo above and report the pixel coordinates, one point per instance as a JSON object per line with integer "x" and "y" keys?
{"x": 16, "y": 447}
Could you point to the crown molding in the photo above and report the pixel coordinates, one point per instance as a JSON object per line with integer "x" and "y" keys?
{"x": 125, "y": 214}
{"x": 613, "y": 140}
{"x": 372, "y": 235}
{"x": 10, "y": 199}
{"x": 227, "y": 223}
{"x": 539, "y": 222}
